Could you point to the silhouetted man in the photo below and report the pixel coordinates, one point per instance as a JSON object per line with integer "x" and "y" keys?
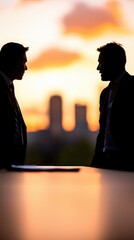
{"x": 115, "y": 145}
{"x": 13, "y": 133}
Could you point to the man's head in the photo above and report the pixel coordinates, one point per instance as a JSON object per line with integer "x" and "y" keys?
{"x": 111, "y": 61}
{"x": 13, "y": 60}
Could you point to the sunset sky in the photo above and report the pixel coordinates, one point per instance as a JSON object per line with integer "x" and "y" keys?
{"x": 62, "y": 36}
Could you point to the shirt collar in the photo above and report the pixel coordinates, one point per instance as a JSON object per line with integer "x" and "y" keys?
{"x": 7, "y": 80}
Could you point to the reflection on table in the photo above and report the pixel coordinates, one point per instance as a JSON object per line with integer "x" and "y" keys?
{"x": 91, "y": 204}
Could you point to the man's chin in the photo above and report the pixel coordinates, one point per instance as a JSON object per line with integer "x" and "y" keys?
{"x": 104, "y": 79}
{"x": 19, "y": 78}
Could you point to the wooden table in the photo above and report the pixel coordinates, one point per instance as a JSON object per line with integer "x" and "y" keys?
{"x": 91, "y": 204}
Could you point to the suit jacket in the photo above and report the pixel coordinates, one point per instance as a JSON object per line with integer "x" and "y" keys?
{"x": 121, "y": 126}
{"x": 11, "y": 152}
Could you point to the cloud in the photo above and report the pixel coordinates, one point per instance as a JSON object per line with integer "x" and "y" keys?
{"x": 53, "y": 58}
{"x": 30, "y": 1}
{"x": 25, "y": 3}
{"x": 88, "y": 21}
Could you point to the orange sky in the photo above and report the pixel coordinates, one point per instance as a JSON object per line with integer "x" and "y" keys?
{"x": 63, "y": 37}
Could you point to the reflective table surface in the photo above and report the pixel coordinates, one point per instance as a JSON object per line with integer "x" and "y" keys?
{"x": 91, "y": 204}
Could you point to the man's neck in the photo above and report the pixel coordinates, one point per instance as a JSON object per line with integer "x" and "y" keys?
{"x": 117, "y": 75}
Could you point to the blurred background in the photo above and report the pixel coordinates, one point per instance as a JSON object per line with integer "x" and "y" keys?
{"x": 59, "y": 94}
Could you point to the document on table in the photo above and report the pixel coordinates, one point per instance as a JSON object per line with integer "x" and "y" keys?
{"x": 43, "y": 168}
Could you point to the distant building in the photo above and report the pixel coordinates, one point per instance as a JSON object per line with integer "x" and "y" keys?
{"x": 81, "y": 124}
{"x": 55, "y": 115}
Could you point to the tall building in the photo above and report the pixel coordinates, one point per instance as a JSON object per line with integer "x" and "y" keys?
{"x": 81, "y": 124}
{"x": 55, "y": 115}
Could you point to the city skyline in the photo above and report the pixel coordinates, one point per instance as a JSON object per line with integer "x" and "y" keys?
{"x": 55, "y": 145}
{"x": 55, "y": 115}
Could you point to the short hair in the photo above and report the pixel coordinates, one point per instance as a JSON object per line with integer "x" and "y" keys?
{"x": 11, "y": 52}
{"x": 113, "y": 52}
